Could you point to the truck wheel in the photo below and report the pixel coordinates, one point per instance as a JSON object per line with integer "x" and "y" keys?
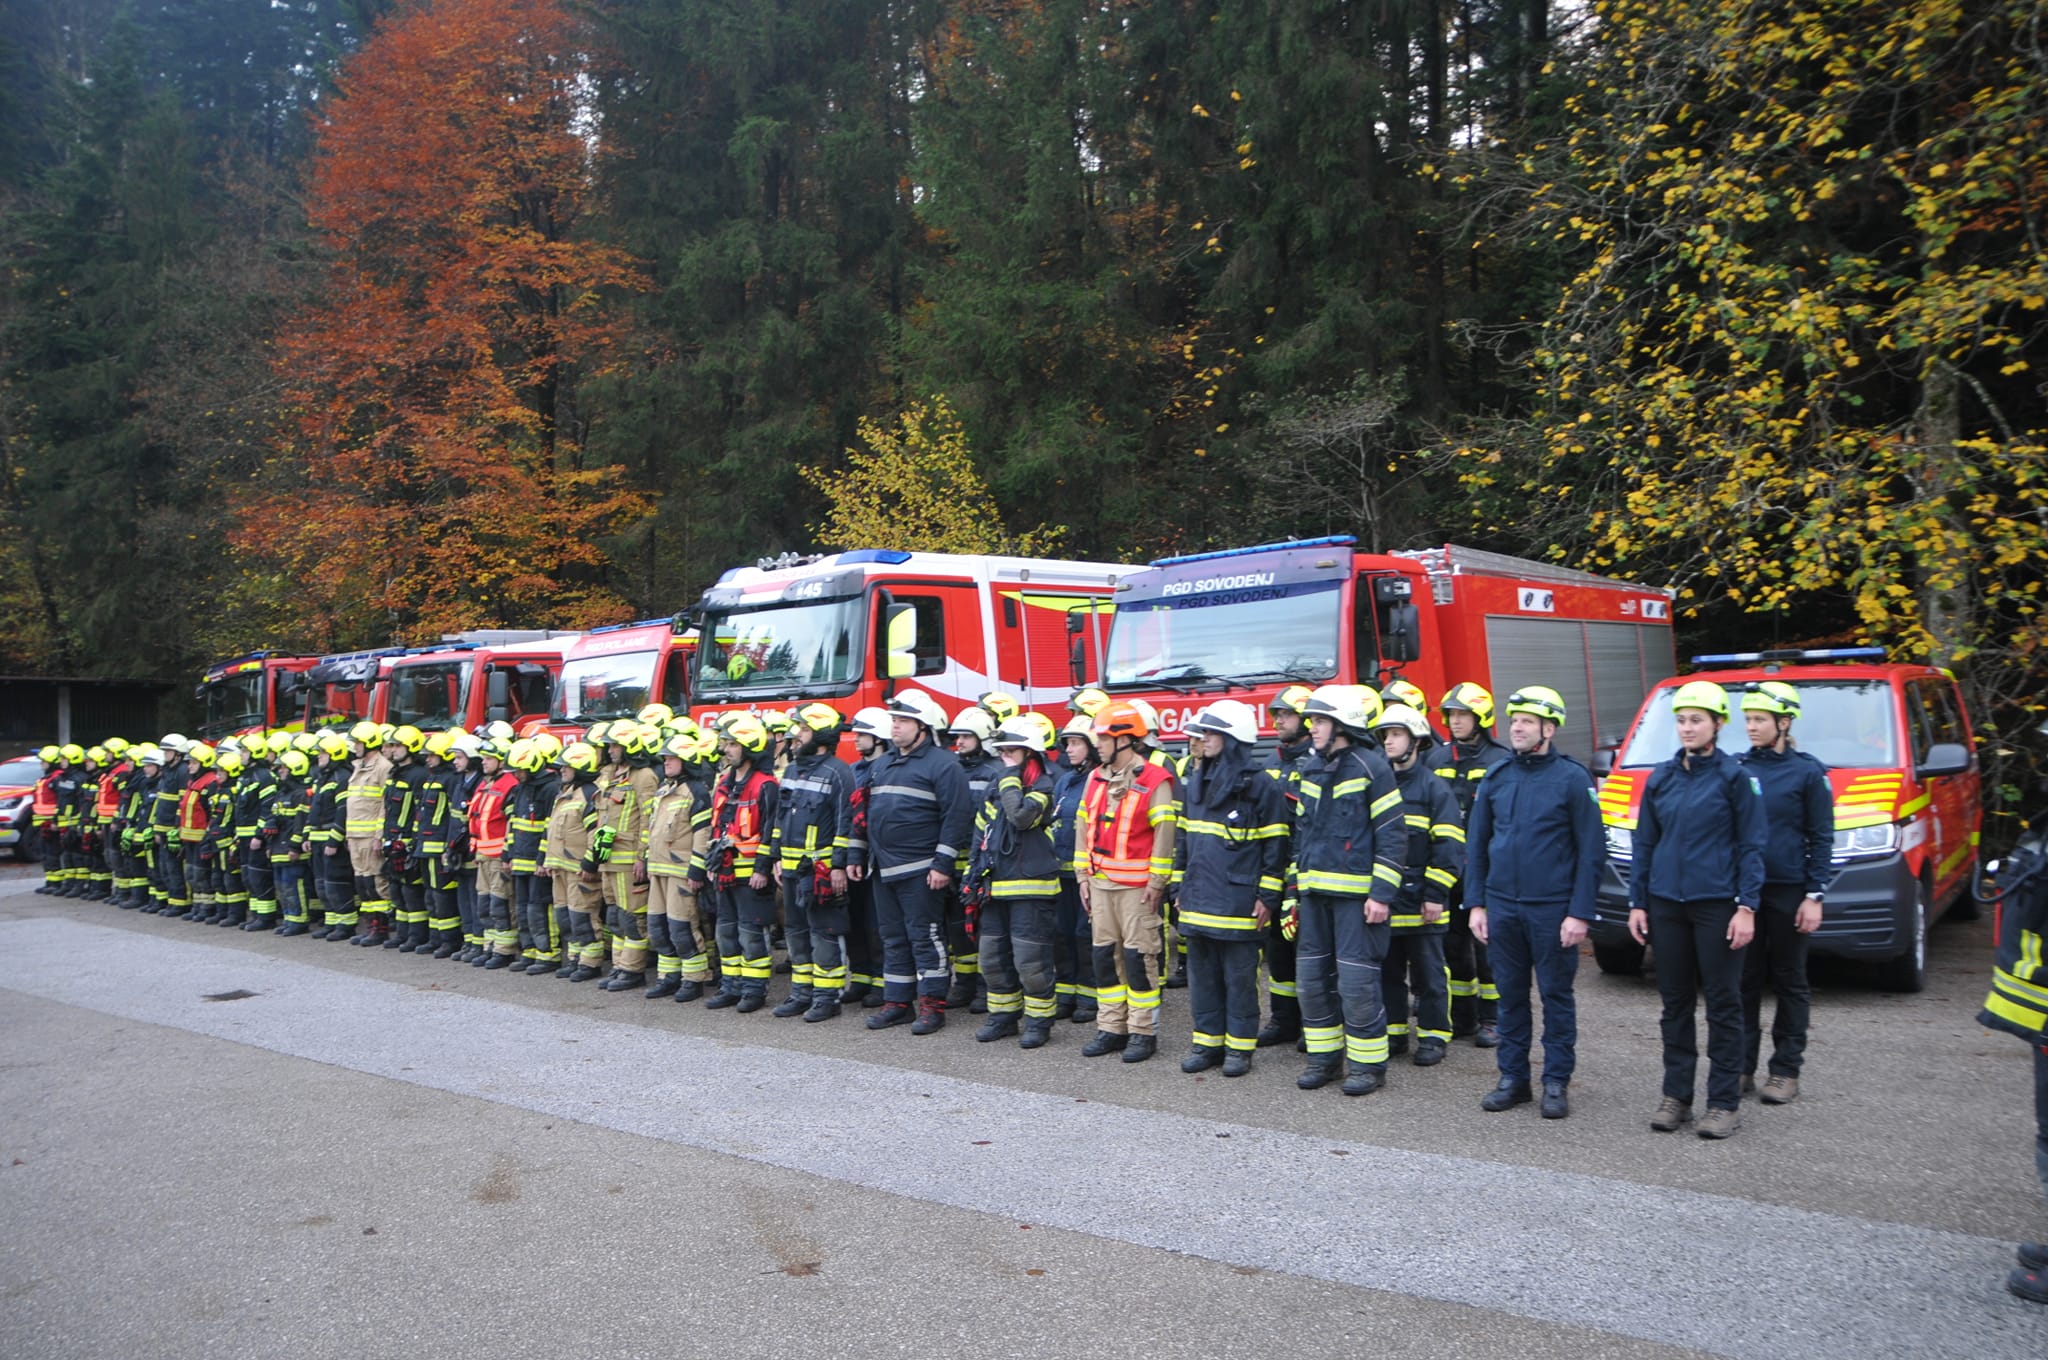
{"x": 1908, "y": 972}
{"x": 1623, "y": 960}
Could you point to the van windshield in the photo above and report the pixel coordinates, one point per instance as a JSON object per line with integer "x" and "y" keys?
{"x": 1845, "y": 724}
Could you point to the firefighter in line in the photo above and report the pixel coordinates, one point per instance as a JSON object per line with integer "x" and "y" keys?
{"x": 742, "y": 817}
{"x": 533, "y": 895}
{"x": 1694, "y": 890}
{"x": 196, "y": 833}
{"x": 624, "y": 791}
{"x": 863, "y": 936}
{"x": 1289, "y": 711}
{"x": 102, "y": 806}
{"x": 43, "y": 821}
{"x": 810, "y": 841}
{"x": 1533, "y": 850}
{"x": 1230, "y": 863}
{"x": 255, "y": 790}
{"x": 126, "y": 777}
{"x": 362, "y": 821}
{"x": 572, "y": 822}
{"x": 282, "y": 832}
{"x": 1012, "y": 884}
{"x": 1350, "y": 853}
{"x": 678, "y": 834}
{"x": 433, "y": 919}
{"x": 136, "y": 800}
{"x": 231, "y": 905}
{"x": 1799, "y": 817}
{"x": 1461, "y": 762}
{"x": 178, "y": 769}
{"x": 919, "y": 821}
{"x": 1435, "y": 861}
{"x": 70, "y": 875}
{"x": 326, "y": 840}
{"x": 969, "y": 736}
{"x": 1124, "y": 860}
{"x": 1073, "y": 935}
{"x": 489, "y": 822}
{"x": 465, "y": 761}
{"x": 404, "y": 747}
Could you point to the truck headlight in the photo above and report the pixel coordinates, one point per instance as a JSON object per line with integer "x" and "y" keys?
{"x": 1866, "y": 842}
{"x": 1621, "y": 843}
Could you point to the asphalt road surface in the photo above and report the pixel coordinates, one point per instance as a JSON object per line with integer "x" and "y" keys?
{"x": 217, "y": 1144}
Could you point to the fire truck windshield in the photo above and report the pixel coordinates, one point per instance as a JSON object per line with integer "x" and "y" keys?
{"x": 782, "y": 647}
{"x": 1278, "y": 632}
{"x": 233, "y": 703}
{"x": 430, "y": 695}
{"x": 1844, "y": 724}
{"x": 600, "y": 688}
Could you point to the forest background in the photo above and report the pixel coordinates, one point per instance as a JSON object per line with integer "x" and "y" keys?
{"x": 333, "y": 323}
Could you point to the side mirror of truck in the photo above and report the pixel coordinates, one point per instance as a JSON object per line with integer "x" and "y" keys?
{"x": 498, "y": 696}
{"x": 1603, "y": 761}
{"x": 1401, "y": 635}
{"x": 899, "y": 631}
{"x": 1944, "y": 758}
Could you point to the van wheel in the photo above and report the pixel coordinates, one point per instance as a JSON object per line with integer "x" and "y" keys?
{"x": 1624, "y": 959}
{"x": 1908, "y": 972}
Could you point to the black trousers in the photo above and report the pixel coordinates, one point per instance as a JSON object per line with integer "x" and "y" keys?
{"x": 1693, "y": 959}
{"x": 1777, "y": 955}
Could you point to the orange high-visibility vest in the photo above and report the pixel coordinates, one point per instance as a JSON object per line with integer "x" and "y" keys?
{"x": 107, "y": 805}
{"x": 45, "y": 805}
{"x": 192, "y": 799}
{"x": 736, "y": 815}
{"x": 488, "y": 815}
{"x": 1120, "y": 840}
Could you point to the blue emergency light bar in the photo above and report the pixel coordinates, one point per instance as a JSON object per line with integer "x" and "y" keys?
{"x": 1333, "y": 541}
{"x": 888, "y": 557}
{"x": 641, "y": 623}
{"x": 1792, "y": 654}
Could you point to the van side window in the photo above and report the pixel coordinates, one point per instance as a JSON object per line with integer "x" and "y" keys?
{"x": 1944, "y": 718}
{"x": 930, "y": 650}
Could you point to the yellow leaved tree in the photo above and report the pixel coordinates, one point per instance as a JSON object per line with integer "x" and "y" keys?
{"x": 915, "y": 488}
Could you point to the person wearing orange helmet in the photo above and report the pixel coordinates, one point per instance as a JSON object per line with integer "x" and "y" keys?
{"x": 1124, "y": 852}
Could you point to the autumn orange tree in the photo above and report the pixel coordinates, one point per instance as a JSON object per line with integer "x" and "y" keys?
{"x": 430, "y": 476}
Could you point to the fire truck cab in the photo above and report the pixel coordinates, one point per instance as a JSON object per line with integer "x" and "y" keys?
{"x": 616, "y": 671}
{"x": 474, "y": 679}
{"x": 341, "y": 690}
{"x": 1248, "y": 622}
{"x": 853, "y": 627}
{"x": 260, "y": 690}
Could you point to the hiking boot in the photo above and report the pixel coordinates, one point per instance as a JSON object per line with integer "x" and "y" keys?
{"x": 1488, "y": 1037}
{"x": 891, "y": 1013}
{"x": 1200, "y": 1059}
{"x": 1236, "y": 1063}
{"x": 1749, "y": 1083}
{"x": 1364, "y": 1079}
{"x": 1779, "y": 1090}
{"x": 1104, "y": 1042}
{"x": 931, "y": 1015}
{"x": 1322, "y": 1069}
{"x": 1141, "y": 1047}
{"x": 1428, "y": 1052}
{"x": 1718, "y": 1123}
{"x": 1555, "y": 1103}
{"x": 1506, "y": 1096}
{"x": 1671, "y": 1112}
{"x": 997, "y": 1027}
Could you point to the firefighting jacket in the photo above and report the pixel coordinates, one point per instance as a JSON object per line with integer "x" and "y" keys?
{"x": 1127, "y": 827}
{"x": 1463, "y": 764}
{"x": 814, "y": 813}
{"x": 1013, "y": 853}
{"x": 170, "y": 786}
{"x": 66, "y": 788}
{"x": 489, "y": 814}
{"x": 857, "y": 811}
{"x": 2018, "y": 1000}
{"x": 323, "y": 804}
{"x": 194, "y": 801}
{"x": 220, "y": 812}
{"x": 1231, "y": 854}
{"x": 1700, "y": 834}
{"x": 1067, "y": 787}
{"x": 571, "y": 823}
{"x": 432, "y": 792}
{"x": 1350, "y": 839}
{"x": 1436, "y": 847}
{"x": 982, "y": 769}
{"x": 1534, "y": 836}
{"x": 531, "y": 803}
{"x": 398, "y": 803}
{"x": 623, "y": 793}
{"x": 459, "y": 793}
{"x": 254, "y": 793}
{"x": 742, "y": 821}
{"x": 919, "y": 817}
{"x": 284, "y": 824}
{"x": 678, "y": 829}
{"x": 362, "y": 806}
{"x": 1799, "y": 816}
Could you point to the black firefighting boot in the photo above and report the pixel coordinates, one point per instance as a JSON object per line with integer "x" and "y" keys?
{"x": 931, "y": 1015}
{"x": 1322, "y": 1069}
{"x": 1285, "y": 1025}
{"x": 1365, "y": 1078}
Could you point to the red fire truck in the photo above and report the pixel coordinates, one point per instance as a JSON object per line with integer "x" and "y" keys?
{"x": 260, "y": 690}
{"x": 853, "y": 627}
{"x": 1246, "y": 623}
{"x": 341, "y": 690}
{"x": 482, "y": 677}
{"x": 616, "y": 671}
